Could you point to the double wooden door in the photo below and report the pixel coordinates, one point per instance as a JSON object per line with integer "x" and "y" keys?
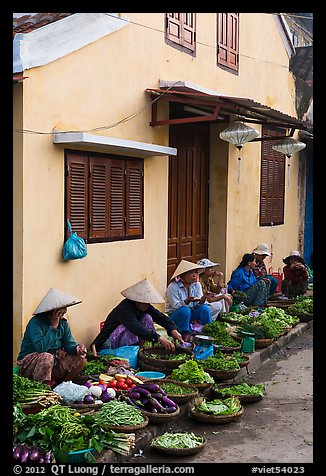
{"x": 188, "y": 195}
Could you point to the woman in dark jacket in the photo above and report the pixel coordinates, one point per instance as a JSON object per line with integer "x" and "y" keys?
{"x": 131, "y": 322}
{"x": 296, "y": 277}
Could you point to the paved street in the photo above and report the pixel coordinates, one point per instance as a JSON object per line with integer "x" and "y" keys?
{"x": 278, "y": 429}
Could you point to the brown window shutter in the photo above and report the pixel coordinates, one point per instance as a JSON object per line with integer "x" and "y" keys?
{"x": 173, "y": 27}
{"x": 228, "y": 40}
{"x": 272, "y": 183}
{"x": 181, "y": 29}
{"x": 117, "y": 198}
{"x": 77, "y": 193}
{"x": 188, "y": 30}
{"x": 134, "y": 198}
{"x": 98, "y": 197}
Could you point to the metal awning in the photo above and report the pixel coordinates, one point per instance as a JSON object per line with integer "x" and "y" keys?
{"x": 208, "y": 105}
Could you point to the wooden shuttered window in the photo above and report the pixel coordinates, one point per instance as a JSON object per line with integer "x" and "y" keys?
{"x": 181, "y": 29}
{"x": 105, "y": 194}
{"x": 272, "y": 181}
{"x": 228, "y": 40}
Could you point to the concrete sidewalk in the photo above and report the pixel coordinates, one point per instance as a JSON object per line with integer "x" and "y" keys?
{"x": 257, "y": 359}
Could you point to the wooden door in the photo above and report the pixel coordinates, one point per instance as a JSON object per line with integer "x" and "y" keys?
{"x": 188, "y": 195}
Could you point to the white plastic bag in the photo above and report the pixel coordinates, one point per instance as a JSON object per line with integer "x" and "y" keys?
{"x": 71, "y": 392}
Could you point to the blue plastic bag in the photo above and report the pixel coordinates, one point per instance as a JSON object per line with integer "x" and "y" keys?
{"x": 75, "y": 247}
{"x": 203, "y": 351}
{"x": 128, "y": 352}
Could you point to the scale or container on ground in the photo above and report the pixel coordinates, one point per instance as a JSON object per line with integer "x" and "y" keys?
{"x": 204, "y": 346}
{"x": 248, "y": 342}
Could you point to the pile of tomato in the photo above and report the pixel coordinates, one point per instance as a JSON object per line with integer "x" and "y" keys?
{"x": 119, "y": 383}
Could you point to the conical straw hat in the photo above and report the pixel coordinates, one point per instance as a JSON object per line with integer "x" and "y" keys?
{"x": 55, "y": 299}
{"x": 185, "y": 266}
{"x": 144, "y": 292}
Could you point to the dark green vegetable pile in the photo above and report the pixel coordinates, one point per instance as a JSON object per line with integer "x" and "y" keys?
{"x": 218, "y": 330}
{"x": 62, "y": 430}
{"x": 242, "y": 389}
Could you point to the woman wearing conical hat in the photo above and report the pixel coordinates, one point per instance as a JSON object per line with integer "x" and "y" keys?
{"x": 48, "y": 350}
{"x": 131, "y": 322}
{"x": 185, "y": 298}
{"x": 296, "y": 277}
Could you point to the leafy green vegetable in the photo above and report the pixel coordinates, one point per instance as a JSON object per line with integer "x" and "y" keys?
{"x": 177, "y": 440}
{"x": 190, "y": 372}
{"x": 174, "y": 389}
{"x": 219, "y": 363}
{"x": 218, "y": 330}
{"x": 219, "y": 407}
{"x": 242, "y": 389}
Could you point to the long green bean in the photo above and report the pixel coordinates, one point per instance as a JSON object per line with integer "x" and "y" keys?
{"x": 118, "y": 413}
{"x": 178, "y": 440}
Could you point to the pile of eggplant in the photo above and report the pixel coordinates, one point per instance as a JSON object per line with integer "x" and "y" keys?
{"x": 150, "y": 397}
{"x": 31, "y": 454}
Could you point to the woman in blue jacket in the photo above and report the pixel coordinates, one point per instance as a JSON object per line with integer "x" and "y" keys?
{"x": 244, "y": 280}
{"x": 48, "y": 350}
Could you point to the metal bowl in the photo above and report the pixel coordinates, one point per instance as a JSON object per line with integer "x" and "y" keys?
{"x": 200, "y": 339}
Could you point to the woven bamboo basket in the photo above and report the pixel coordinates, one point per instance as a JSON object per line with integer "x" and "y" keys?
{"x": 163, "y": 364}
{"x": 128, "y": 428}
{"x": 216, "y": 419}
{"x": 180, "y": 451}
{"x": 160, "y": 418}
{"x": 223, "y": 374}
{"x": 243, "y": 398}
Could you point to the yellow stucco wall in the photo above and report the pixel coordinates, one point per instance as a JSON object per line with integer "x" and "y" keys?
{"x": 99, "y": 85}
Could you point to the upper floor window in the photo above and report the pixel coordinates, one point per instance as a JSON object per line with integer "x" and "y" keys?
{"x": 228, "y": 41}
{"x": 180, "y": 30}
{"x": 104, "y": 196}
{"x": 272, "y": 181}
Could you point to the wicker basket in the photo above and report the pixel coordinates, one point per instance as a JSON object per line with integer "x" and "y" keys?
{"x": 162, "y": 364}
{"x": 127, "y": 428}
{"x": 223, "y": 374}
{"x": 243, "y": 398}
{"x": 216, "y": 419}
{"x": 180, "y": 451}
{"x": 82, "y": 407}
{"x": 306, "y": 317}
{"x": 244, "y": 363}
{"x": 159, "y": 418}
{"x": 260, "y": 343}
{"x": 180, "y": 397}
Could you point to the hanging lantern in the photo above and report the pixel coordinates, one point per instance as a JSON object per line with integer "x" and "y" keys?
{"x": 238, "y": 134}
{"x": 288, "y": 147}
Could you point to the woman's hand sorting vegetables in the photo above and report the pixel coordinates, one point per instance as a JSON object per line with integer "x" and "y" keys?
{"x": 168, "y": 345}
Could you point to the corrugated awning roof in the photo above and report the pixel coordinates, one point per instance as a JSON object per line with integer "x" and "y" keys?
{"x": 213, "y": 104}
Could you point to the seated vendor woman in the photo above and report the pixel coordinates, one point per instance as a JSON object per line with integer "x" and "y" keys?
{"x": 244, "y": 280}
{"x": 131, "y": 322}
{"x": 185, "y": 298}
{"x": 296, "y": 277}
{"x": 48, "y": 351}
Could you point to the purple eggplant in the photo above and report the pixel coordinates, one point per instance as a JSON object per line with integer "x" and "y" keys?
{"x": 47, "y": 457}
{"x": 24, "y": 455}
{"x": 166, "y": 402}
{"x": 151, "y": 387}
{"x": 156, "y": 404}
{"x": 133, "y": 394}
{"x": 142, "y": 391}
{"x": 157, "y": 395}
{"x": 34, "y": 455}
{"x": 42, "y": 460}
{"x": 170, "y": 409}
{"x": 16, "y": 452}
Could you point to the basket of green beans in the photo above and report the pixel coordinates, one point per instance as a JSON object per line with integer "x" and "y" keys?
{"x": 179, "y": 443}
{"x": 119, "y": 416}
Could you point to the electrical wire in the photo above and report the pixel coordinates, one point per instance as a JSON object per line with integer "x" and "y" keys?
{"x": 110, "y": 126}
